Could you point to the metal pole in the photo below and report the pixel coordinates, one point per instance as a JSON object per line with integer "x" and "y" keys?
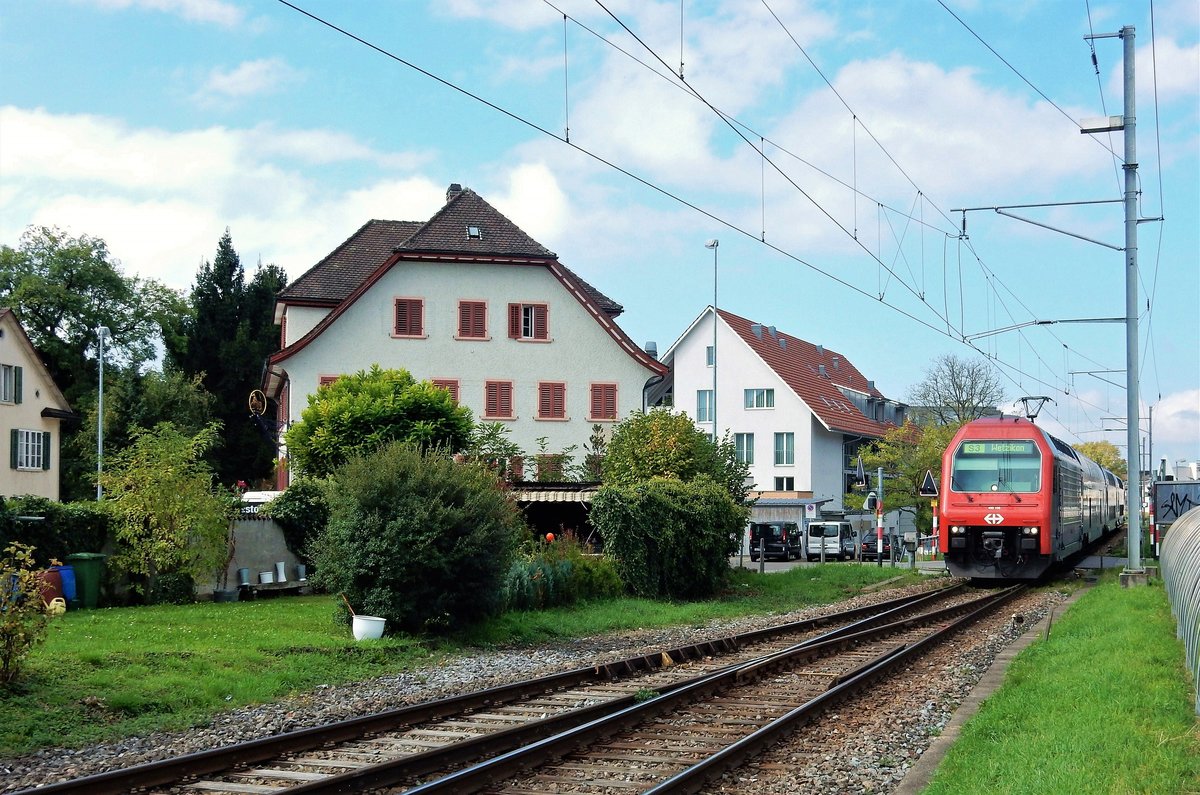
{"x": 713, "y": 245}
{"x": 1133, "y": 408}
{"x": 101, "y": 335}
{"x": 879, "y": 519}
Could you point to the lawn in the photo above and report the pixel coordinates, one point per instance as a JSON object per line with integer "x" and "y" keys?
{"x": 111, "y": 673}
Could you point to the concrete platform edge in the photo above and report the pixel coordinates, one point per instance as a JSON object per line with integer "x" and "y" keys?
{"x": 921, "y": 773}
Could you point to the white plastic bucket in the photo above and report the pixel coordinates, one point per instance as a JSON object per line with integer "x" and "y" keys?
{"x": 367, "y": 627}
{"x": 266, "y": 577}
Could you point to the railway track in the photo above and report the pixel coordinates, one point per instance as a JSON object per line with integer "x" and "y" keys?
{"x": 412, "y": 743}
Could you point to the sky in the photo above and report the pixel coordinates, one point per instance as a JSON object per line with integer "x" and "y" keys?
{"x": 849, "y": 157}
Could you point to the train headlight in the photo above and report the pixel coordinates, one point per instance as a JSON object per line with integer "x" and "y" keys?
{"x": 1030, "y": 531}
{"x": 957, "y": 529}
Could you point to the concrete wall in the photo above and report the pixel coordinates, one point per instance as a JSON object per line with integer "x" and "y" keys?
{"x": 258, "y": 546}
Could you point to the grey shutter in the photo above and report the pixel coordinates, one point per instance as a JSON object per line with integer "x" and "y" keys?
{"x": 16, "y": 385}
{"x": 45, "y": 449}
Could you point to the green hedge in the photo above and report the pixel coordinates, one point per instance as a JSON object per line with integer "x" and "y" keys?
{"x": 61, "y": 529}
{"x": 559, "y": 573}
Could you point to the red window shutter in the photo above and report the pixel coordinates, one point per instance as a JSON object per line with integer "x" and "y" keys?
{"x": 464, "y": 319}
{"x": 449, "y": 385}
{"x": 491, "y": 399}
{"x": 283, "y": 332}
{"x": 514, "y": 321}
{"x": 544, "y": 400}
{"x": 610, "y": 402}
{"x": 479, "y": 322}
{"x": 597, "y": 401}
{"x": 408, "y": 317}
{"x": 506, "y": 409}
{"x": 539, "y": 323}
{"x": 604, "y": 401}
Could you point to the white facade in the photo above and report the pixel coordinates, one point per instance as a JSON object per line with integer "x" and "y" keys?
{"x": 31, "y": 410}
{"x": 579, "y": 352}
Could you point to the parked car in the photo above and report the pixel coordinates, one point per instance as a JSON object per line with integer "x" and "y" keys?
{"x": 868, "y": 549}
{"x": 778, "y": 540}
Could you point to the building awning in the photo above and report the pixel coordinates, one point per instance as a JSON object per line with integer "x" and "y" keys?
{"x": 545, "y": 492}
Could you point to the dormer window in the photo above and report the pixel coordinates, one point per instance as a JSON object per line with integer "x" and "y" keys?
{"x": 474, "y": 233}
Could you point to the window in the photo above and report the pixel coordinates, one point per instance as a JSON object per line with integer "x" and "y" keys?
{"x": 527, "y": 322}
{"x": 704, "y": 405}
{"x": 472, "y": 319}
{"x": 552, "y": 401}
{"x": 10, "y": 383}
{"x": 785, "y": 449}
{"x": 409, "y": 316}
{"x": 497, "y": 400}
{"x": 448, "y": 384}
{"x": 604, "y": 402}
{"x": 710, "y": 355}
{"x": 29, "y": 449}
{"x": 743, "y": 447}
{"x": 760, "y": 398}
{"x": 326, "y": 380}
{"x": 474, "y": 233}
{"x": 785, "y": 484}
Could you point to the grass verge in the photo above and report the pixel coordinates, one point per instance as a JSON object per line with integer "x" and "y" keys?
{"x": 107, "y": 674}
{"x": 1102, "y": 706}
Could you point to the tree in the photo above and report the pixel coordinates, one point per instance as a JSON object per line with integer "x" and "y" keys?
{"x": 906, "y": 454}
{"x": 361, "y": 412}
{"x": 223, "y": 341}
{"x": 63, "y": 288}
{"x": 955, "y": 391}
{"x": 1106, "y": 455}
{"x": 168, "y": 515}
{"x": 660, "y": 443}
{"x": 416, "y": 538}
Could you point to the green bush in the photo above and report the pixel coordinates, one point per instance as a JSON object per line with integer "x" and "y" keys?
{"x": 670, "y": 539}
{"x": 22, "y": 614}
{"x": 301, "y": 512}
{"x": 545, "y": 575}
{"x": 417, "y": 539}
{"x": 61, "y": 529}
{"x": 172, "y": 588}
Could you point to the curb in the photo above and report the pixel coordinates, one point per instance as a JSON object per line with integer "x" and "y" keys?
{"x": 919, "y": 774}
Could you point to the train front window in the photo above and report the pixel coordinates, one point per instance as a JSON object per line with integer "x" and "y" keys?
{"x": 1001, "y": 465}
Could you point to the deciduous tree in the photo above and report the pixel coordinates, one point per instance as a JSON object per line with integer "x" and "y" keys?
{"x": 955, "y": 391}
{"x": 1106, "y": 455}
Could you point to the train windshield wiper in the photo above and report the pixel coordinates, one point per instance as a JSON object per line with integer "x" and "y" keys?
{"x": 1007, "y": 489}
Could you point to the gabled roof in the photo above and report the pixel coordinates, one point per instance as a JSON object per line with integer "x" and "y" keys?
{"x": 61, "y": 409}
{"x": 814, "y": 373}
{"x": 444, "y": 236}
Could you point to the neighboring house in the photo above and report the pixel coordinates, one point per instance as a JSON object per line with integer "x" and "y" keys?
{"x": 470, "y": 302}
{"x": 796, "y": 412}
{"x": 33, "y": 409}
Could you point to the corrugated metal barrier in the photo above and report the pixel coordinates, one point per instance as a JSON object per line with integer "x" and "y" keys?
{"x": 1180, "y": 561}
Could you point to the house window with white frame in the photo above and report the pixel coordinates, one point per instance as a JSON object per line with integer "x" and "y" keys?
{"x": 528, "y": 322}
{"x": 710, "y": 356}
{"x": 760, "y": 398}
{"x": 743, "y": 447}
{"x": 30, "y": 449}
{"x": 785, "y": 449}
{"x": 704, "y": 405}
{"x": 8, "y": 383}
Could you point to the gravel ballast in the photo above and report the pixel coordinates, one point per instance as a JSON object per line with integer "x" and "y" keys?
{"x": 876, "y": 741}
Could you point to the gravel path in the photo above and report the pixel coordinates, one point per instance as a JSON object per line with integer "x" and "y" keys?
{"x": 875, "y": 744}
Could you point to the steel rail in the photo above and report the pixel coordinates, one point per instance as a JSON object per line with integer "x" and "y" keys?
{"x": 217, "y": 760}
{"x": 498, "y": 768}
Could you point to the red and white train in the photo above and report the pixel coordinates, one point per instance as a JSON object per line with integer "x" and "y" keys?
{"x": 1014, "y": 500}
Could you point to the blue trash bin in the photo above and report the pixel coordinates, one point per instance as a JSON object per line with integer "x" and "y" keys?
{"x": 68, "y": 582}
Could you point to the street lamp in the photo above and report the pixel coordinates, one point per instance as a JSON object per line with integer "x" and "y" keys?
{"x": 713, "y": 245}
{"x": 102, "y": 333}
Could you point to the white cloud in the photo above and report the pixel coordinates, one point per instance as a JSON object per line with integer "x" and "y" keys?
{"x": 535, "y": 202}
{"x": 250, "y": 78}
{"x": 217, "y": 12}
{"x": 1177, "y": 426}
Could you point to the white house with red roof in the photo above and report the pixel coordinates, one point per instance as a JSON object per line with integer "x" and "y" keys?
{"x": 472, "y": 303}
{"x": 797, "y": 411}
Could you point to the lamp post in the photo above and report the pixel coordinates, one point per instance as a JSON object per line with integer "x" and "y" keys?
{"x": 102, "y": 333}
{"x": 713, "y": 245}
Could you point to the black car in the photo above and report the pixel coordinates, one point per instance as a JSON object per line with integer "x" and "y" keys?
{"x": 868, "y": 549}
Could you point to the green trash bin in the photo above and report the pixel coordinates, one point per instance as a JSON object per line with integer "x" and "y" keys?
{"x": 88, "y": 569}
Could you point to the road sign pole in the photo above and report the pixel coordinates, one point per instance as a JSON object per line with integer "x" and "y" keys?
{"x": 879, "y": 519}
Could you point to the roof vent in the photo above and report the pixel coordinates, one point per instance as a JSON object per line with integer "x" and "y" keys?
{"x": 652, "y": 350}
{"x": 756, "y": 329}
{"x": 771, "y": 331}
{"x": 821, "y": 371}
{"x": 453, "y": 191}
{"x": 820, "y": 350}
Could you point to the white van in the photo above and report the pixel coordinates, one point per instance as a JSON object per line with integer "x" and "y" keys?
{"x": 837, "y": 538}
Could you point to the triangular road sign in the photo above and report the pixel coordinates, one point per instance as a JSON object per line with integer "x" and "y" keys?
{"x": 928, "y": 486}
{"x": 861, "y": 475}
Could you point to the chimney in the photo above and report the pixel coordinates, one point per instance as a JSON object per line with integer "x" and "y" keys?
{"x": 652, "y": 350}
{"x": 756, "y": 329}
{"x": 771, "y": 330}
{"x": 820, "y": 350}
{"x": 453, "y": 191}
{"x": 870, "y": 385}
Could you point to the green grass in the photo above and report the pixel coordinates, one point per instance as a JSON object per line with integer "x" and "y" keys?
{"x": 1104, "y": 706}
{"x": 106, "y": 674}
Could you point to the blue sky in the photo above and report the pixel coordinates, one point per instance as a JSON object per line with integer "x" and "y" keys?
{"x": 156, "y": 124}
